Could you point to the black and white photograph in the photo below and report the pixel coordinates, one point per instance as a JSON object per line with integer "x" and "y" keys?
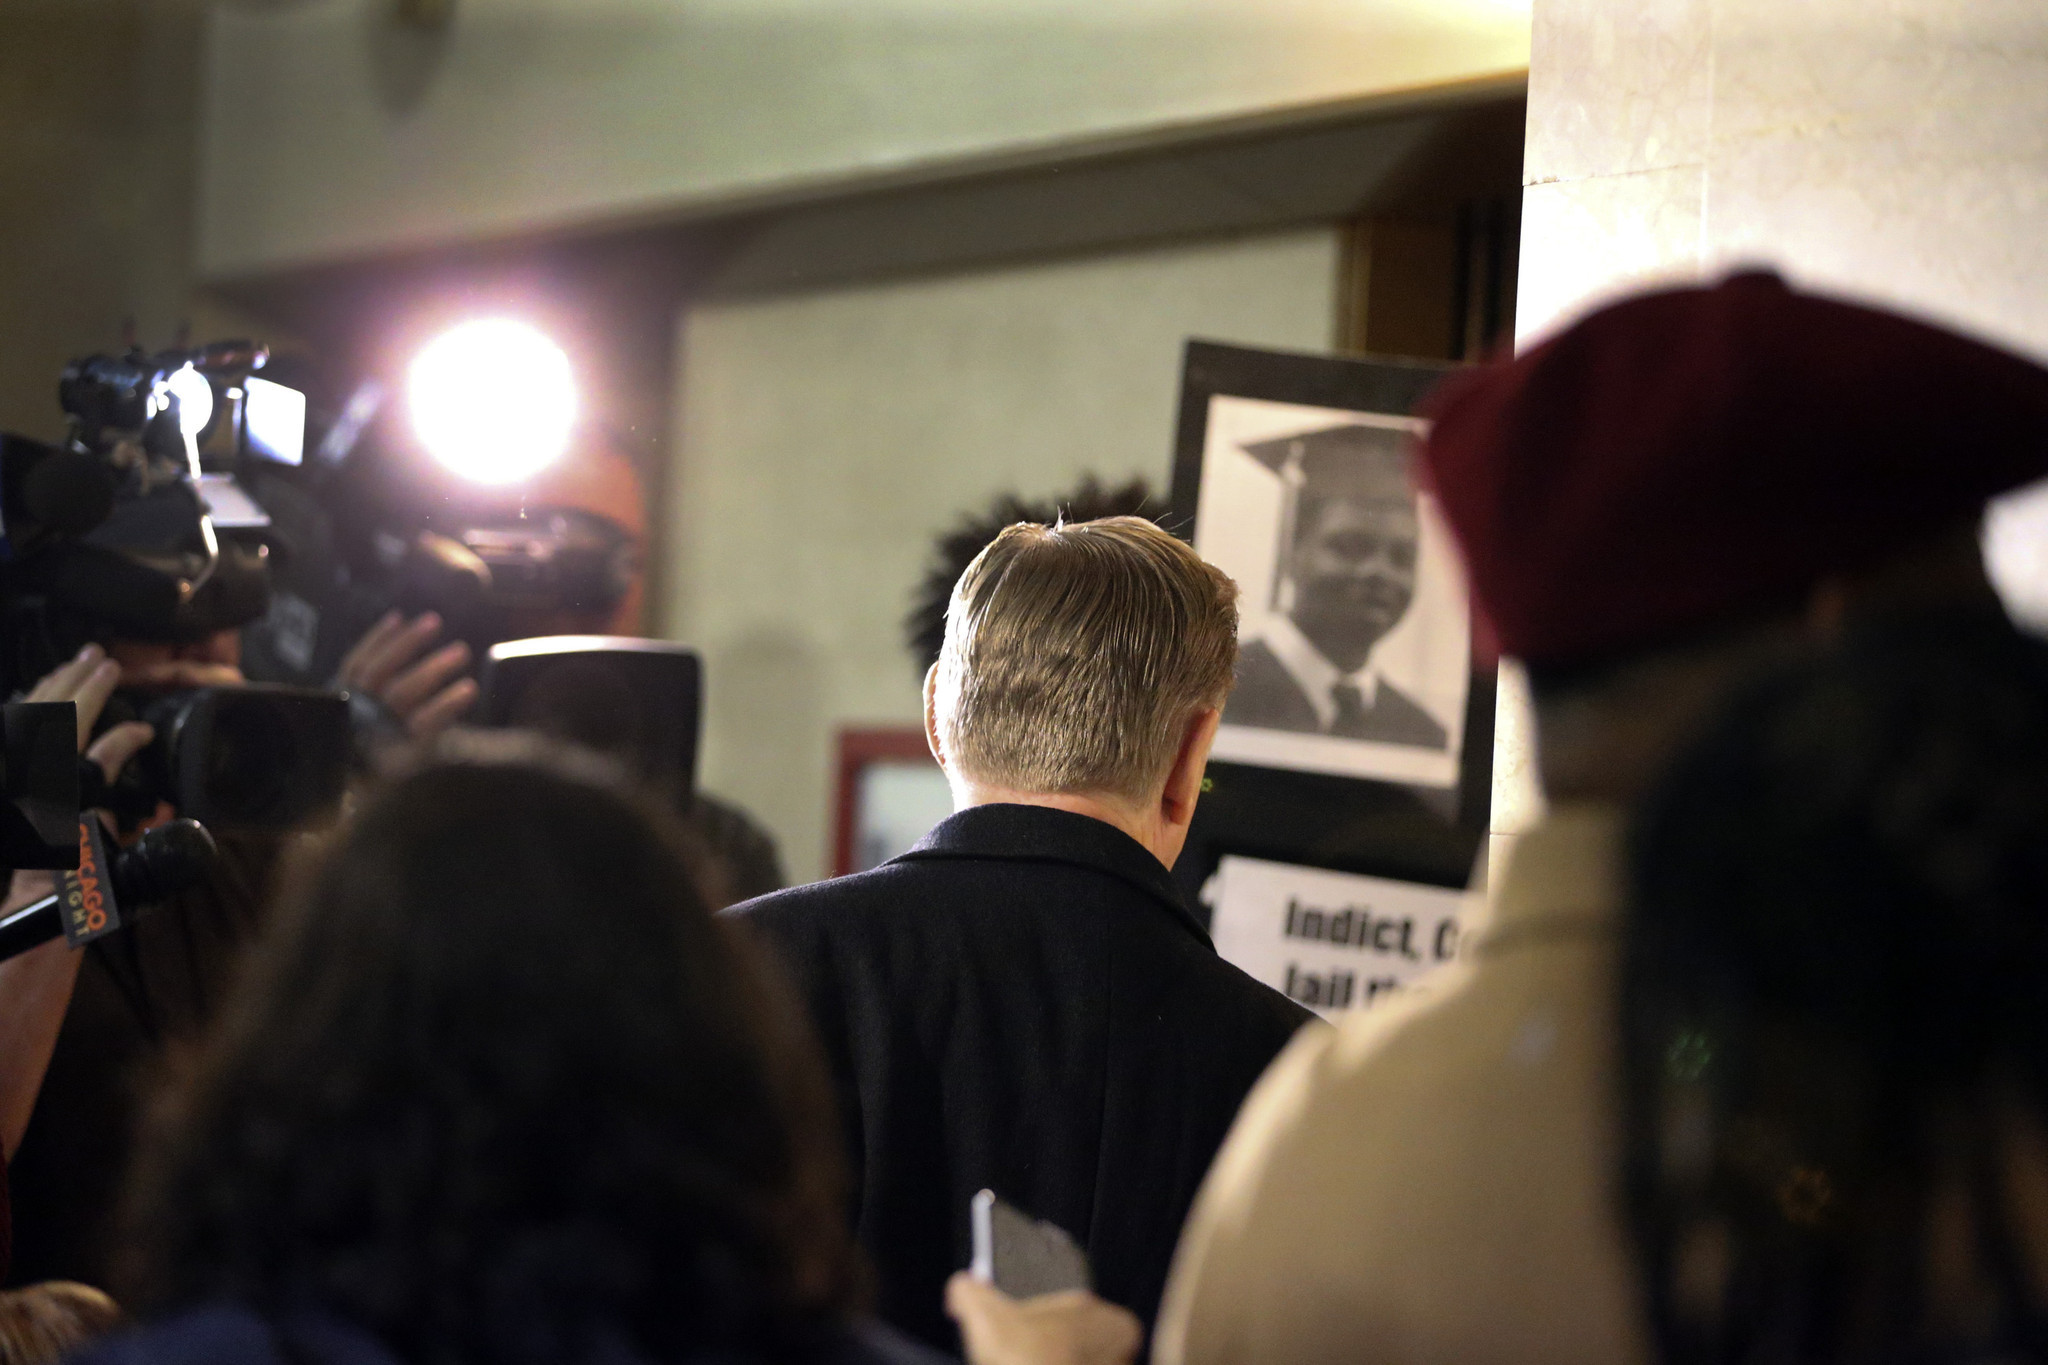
{"x": 1355, "y": 632}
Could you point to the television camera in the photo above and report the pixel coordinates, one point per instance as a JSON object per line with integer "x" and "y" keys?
{"x": 133, "y": 528}
{"x": 199, "y": 491}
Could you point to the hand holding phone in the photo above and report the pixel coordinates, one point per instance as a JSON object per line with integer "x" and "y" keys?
{"x": 1020, "y": 1255}
{"x": 1070, "y": 1328}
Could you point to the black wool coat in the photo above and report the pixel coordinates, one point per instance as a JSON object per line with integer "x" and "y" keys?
{"x": 1022, "y": 1003}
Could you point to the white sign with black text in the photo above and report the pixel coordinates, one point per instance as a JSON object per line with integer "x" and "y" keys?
{"x": 1334, "y": 941}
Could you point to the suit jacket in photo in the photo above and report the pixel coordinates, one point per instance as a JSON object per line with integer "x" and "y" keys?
{"x": 1268, "y": 696}
{"x": 1022, "y": 1003}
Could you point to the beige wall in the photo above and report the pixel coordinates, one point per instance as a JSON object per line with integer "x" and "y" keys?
{"x": 1899, "y": 151}
{"x": 824, "y": 438}
{"x": 1895, "y": 151}
{"x": 98, "y": 122}
{"x": 330, "y": 133}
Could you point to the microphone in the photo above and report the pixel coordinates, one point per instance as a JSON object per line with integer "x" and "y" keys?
{"x": 159, "y": 865}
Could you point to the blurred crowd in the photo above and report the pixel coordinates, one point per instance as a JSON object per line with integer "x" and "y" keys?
{"x": 1748, "y": 1062}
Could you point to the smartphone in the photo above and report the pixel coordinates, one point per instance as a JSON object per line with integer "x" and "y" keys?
{"x": 1020, "y": 1255}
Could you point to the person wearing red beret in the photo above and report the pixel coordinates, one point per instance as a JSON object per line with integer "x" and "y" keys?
{"x": 1677, "y": 492}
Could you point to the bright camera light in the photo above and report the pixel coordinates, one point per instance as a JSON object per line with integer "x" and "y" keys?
{"x": 493, "y": 400}
{"x": 274, "y": 420}
{"x": 195, "y": 399}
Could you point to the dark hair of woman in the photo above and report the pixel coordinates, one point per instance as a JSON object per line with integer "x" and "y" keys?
{"x": 498, "y": 1088}
{"x": 1835, "y": 1012}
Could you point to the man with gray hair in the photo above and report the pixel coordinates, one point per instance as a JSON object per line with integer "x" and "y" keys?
{"x": 1022, "y": 1002}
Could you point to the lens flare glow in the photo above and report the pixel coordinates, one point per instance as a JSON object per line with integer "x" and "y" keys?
{"x": 493, "y": 400}
{"x": 195, "y": 399}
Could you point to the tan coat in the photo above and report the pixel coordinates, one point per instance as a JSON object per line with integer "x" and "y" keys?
{"x": 1432, "y": 1182}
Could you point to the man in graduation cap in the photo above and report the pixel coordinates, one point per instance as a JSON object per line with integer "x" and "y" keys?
{"x": 1346, "y": 577}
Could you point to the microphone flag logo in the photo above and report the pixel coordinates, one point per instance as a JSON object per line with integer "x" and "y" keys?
{"x": 87, "y": 894}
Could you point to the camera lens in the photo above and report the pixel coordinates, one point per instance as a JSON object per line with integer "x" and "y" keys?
{"x": 256, "y": 756}
{"x": 249, "y": 763}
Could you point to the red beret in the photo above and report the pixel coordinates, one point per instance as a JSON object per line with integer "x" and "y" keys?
{"x": 1685, "y": 457}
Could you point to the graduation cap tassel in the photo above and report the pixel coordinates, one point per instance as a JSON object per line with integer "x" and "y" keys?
{"x": 1291, "y": 480}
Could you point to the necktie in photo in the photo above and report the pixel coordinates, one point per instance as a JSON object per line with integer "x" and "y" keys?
{"x": 1350, "y": 709}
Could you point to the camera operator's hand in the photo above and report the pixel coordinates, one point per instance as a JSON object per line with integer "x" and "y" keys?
{"x": 1071, "y": 1328}
{"x": 178, "y": 675}
{"x": 87, "y": 681}
{"x": 214, "y": 661}
{"x": 427, "y": 695}
{"x": 35, "y": 987}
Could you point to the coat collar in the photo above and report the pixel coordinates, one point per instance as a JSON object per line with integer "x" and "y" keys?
{"x": 1040, "y": 834}
{"x": 1561, "y": 877}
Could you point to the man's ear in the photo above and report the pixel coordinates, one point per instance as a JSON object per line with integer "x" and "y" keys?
{"x": 1184, "y": 778}
{"x": 931, "y": 715}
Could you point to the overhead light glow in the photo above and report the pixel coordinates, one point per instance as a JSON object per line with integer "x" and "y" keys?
{"x": 493, "y": 400}
{"x": 195, "y": 399}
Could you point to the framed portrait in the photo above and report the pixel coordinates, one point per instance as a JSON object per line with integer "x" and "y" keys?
{"x": 1355, "y": 633}
{"x": 1360, "y": 698}
{"x": 890, "y": 793}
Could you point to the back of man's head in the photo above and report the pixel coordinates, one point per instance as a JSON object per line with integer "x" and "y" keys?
{"x": 1076, "y": 655}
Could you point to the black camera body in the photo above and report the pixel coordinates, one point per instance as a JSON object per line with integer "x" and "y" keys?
{"x": 134, "y": 529}
{"x": 638, "y": 701}
{"x": 104, "y": 393}
{"x": 114, "y": 533}
{"x": 258, "y": 756}
{"x": 38, "y": 785}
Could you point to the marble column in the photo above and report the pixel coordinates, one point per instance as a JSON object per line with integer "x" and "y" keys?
{"x": 1895, "y": 150}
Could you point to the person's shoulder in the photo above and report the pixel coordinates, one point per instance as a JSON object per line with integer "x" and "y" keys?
{"x": 1234, "y": 1245}
{"x": 220, "y": 1333}
{"x": 1208, "y": 998}
{"x": 1490, "y": 1042}
{"x": 1260, "y": 669}
{"x": 1265, "y": 694}
{"x": 1392, "y": 694}
{"x": 1257, "y": 652}
{"x": 228, "y": 1334}
{"x": 835, "y": 901}
{"x": 1252, "y": 1001}
{"x": 1326, "y": 1071}
{"x": 807, "y": 896}
{"x": 1398, "y": 718}
{"x": 1189, "y": 956}
{"x": 753, "y": 863}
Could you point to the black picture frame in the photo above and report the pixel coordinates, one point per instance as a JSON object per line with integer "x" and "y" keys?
{"x": 1426, "y": 835}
